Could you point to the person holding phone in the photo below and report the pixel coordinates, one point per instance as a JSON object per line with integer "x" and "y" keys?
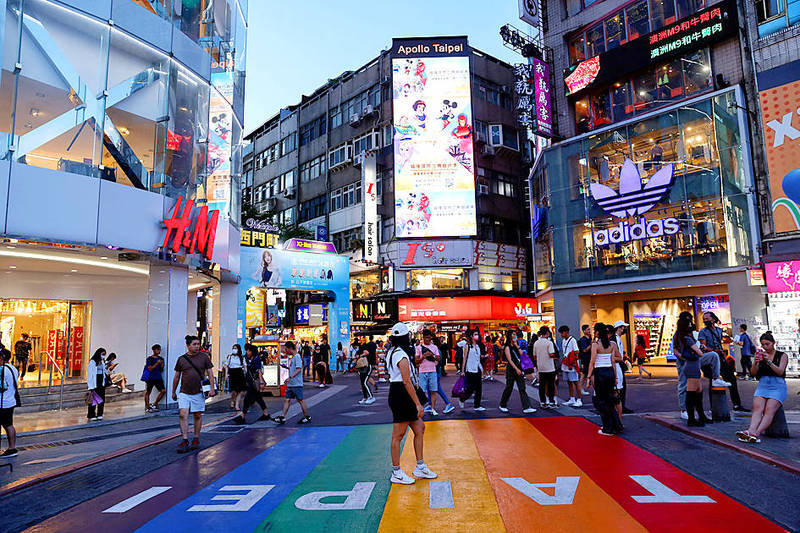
{"x": 769, "y": 368}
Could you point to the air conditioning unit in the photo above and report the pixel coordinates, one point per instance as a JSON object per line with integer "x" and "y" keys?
{"x": 385, "y": 80}
{"x": 369, "y": 110}
{"x": 487, "y": 151}
{"x": 354, "y": 119}
{"x": 483, "y": 190}
{"x": 480, "y": 137}
{"x": 289, "y": 192}
{"x": 481, "y": 172}
{"x": 268, "y": 205}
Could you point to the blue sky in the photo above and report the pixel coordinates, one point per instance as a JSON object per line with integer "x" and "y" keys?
{"x": 294, "y": 46}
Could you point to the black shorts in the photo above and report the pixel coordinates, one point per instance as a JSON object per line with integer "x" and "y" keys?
{"x": 236, "y": 380}
{"x": 585, "y": 360}
{"x": 403, "y": 407}
{"x": 157, "y": 383}
{"x": 7, "y": 417}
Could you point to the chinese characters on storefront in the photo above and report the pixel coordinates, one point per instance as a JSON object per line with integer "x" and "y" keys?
{"x": 532, "y": 90}
{"x": 783, "y": 276}
{"x": 683, "y": 34}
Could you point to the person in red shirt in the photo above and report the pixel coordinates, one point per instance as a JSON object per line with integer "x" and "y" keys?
{"x": 641, "y": 355}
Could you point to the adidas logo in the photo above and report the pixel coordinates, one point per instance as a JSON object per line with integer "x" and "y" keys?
{"x": 634, "y": 199}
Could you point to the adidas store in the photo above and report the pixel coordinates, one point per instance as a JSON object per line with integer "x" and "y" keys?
{"x": 651, "y": 217}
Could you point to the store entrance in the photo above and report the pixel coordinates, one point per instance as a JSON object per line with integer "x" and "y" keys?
{"x": 58, "y": 333}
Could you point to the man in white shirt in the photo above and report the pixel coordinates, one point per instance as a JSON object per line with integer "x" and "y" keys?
{"x": 570, "y": 366}
{"x": 545, "y": 353}
{"x": 621, "y": 328}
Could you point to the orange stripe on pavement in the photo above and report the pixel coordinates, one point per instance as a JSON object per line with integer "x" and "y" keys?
{"x": 451, "y": 453}
{"x": 513, "y": 448}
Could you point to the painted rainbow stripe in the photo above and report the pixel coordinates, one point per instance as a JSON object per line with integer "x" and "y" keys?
{"x": 546, "y": 474}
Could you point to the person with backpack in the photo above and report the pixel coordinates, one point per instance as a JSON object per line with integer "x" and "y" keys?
{"x": 9, "y": 400}
{"x": 747, "y": 348}
{"x": 253, "y": 379}
{"x": 514, "y": 375}
{"x": 193, "y": 374}
{"x": 570, "y": 366}
{"x": 364, "y": 371}
{"x": 234, "y": 369}
{"x": 406, "y": 402}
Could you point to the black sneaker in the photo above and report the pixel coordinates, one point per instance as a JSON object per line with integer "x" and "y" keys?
{"x": 741, "y": 409}
{"x": 183, "y": 447}
{"x": 239, "y": 420}
{"x": 264, "y": 418}
{"x": 280, "y": 420}
{"x": 11, "y": 452}
{"x": 304, "y": 420}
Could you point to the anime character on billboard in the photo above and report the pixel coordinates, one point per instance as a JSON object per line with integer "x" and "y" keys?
{"x": 446, "y": 114}
{"x": 419, "y": 114}
{"x": 425, "y": 207}
{"x": 420, "y": 73}
{"x": 269, "y": 275}
{"x": 461, "y": 149}
{"x": 404, "y": 129}
{"x": 405, "y": 149}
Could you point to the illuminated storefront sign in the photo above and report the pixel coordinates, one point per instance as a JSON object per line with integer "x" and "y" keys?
{"x": 532, "y": 91}
{"x": 258, "y": 239}
{"x": 370, "y": 187}
{"x": 201, "y": 238}
{"x": 384, "y": 310}
{"x": 755, "y": 277}
{"x": 780, "y": 99}
{"x": 634, "y": 200}
{"x": 434, "y": 163}
{"x": 783, "y": 276}
{"x": 310, "y": 246}
{"x": 466, "y": 308}
{"x": 418, "y": 254}
{"x": 707, "y": 26}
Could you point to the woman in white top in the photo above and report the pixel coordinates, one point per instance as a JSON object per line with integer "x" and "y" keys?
{"x": 603, "y": 378}
{"x": 472, "y": 369}
{"x": 234, "y": 368}
{"x": 96, "y": 382}
{"x": 406, "y": 405}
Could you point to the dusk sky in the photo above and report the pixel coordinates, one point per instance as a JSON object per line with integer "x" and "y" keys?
{"x": 295, "y": 47}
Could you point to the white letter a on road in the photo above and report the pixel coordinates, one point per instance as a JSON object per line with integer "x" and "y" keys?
{"x": 564, "y": 493}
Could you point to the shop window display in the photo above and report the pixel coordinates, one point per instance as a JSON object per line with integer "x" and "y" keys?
{"x": 364, "y": 284}
{"x": 638, "y": 20}
{"x": 445, "y": 278}
{"x": 577, "y": 50}
{"x": 655, "y": 320}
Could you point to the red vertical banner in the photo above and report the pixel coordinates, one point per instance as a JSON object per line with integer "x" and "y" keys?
{"x": 51, "y": 342}
{"x": 76, "y": 348}
{"x": 61, "y": 349}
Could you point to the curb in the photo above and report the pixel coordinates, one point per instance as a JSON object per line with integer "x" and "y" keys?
{"x": 764, "y": 457}
{"x": 25, "y": 483}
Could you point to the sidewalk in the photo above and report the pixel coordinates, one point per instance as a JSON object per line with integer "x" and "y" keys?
{"x": 784, "y": 453}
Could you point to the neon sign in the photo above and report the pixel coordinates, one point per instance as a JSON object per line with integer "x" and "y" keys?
{"x": 203, "y": 236}
{"x": 310, "y": 246}
{"x": 583, "y": 75}
{"x": 634, "y": 199}
{"x": 783, "y": 276}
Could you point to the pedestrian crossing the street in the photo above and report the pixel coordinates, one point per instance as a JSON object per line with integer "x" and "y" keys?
{"x": 493, "y": 474}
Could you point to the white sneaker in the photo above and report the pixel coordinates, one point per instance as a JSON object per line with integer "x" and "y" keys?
{"x": 585, "y": 392}
{"x": 124, "y": 391}
{"x": 460, "y": 404}
{"x": 529, "y": 410}
{"x": 369, "y": 401}
{"x": 402, "y": 478}
{"x": 570, "y": 401}
{"x": 362, "y": 401}
{"x": 684, "y": 415}
{"x": 422, "y": 471}
{"x": 100, "y": 417}
{"x": 577, "y": 403}
{"x": 719, "y": 382}
{"x": 503, "y": 409}
{"x": 427, "y": 409}
{"x": 555, "y": 403}
{"x": 449, "y": 408}
{"x": 322, "y": 386}
{"x": 433, "y": 412}
{"x": 480, "y": 408}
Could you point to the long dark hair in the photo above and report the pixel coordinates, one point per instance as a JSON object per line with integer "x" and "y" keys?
{"x": 640, "y": 341}
{"x": 237, "y": 350}
{"x": 510, "y": 338}
{"x": 683, "y": 329}
{"x": 602, "y": 334}
{"x": 97, "y": 357}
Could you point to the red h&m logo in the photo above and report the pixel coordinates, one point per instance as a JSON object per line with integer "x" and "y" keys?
{"x": 203, "y": 236}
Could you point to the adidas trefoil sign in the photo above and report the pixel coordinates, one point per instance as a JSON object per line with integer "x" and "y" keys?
{"x": 634, "y": 200}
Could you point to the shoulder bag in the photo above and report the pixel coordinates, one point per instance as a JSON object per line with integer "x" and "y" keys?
{"x": 204, "y": 382}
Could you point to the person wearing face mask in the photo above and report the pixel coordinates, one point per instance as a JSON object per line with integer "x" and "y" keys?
{"x": 472, "y": 368}
{"x": 710, "y": 338}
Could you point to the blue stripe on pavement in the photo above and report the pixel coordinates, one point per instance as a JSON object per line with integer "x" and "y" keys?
{"x": 284, "y": 465}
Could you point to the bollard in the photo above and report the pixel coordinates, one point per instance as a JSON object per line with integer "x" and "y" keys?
{"x": 779, "y": 429}
{"x": 720, "y": 412}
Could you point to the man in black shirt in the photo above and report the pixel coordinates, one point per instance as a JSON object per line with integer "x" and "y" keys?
{"x": 585, "y": 355}
{"x": 22, "y": 350}
{"x": 305, "y": 352}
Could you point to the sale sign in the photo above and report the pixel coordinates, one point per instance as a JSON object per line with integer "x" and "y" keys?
{"x": 76, "y": 348}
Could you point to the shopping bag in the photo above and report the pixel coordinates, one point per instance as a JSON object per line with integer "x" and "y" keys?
{"x": 96, "y": 399}
{"x": 145, "y": 373}
{"x": 459, "y": 387}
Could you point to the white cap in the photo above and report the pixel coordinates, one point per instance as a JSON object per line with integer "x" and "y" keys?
{"x": 399, "y": 329}
{"x": 619, "y": 323}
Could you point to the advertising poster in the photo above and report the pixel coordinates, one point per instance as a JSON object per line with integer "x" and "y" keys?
{"x": 220, "y": 121}
{"x": 370, "y": 187}
{"x": 434, "y": 170}
{"x": 271, "y": 268}
{"x": 779, "y": 92}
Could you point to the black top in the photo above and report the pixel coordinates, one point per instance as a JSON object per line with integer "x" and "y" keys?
{"x": 305, "y": 351}
{"x": 585, "y": 347}
{"x": 515, "y": 357}
{"x": 372, "y": 349}
{"x": 765, "y": 370}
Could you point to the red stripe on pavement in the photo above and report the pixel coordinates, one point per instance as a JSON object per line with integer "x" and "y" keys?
{"x": 185, "y": 476}
{"x": 610, "y": 461}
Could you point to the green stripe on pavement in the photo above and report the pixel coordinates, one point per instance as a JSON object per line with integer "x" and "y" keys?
{"x": 362, "y": 457}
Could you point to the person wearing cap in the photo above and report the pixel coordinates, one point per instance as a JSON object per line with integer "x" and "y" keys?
{"x": 620, "y": 327}
{"x": 406, "y": 403}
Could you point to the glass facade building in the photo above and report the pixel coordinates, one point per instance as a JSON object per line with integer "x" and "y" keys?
{"x": 148, "y": 93}
{"x": 683, "y": 204}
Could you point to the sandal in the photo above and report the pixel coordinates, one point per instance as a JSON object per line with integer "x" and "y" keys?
{"x": 752, "y": 439}
{"x": 743, "y": 436}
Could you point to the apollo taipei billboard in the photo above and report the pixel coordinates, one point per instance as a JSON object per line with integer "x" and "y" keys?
{"x": 434, "y": 163}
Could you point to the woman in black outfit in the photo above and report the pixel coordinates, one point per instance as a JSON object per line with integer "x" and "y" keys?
{"x": 472, "y": 368}
{"x": 363, "y": 375}
{"x": 96, "y": 381}
{"x": 514, "y": 375}
{"x": 602, "y": 376}
{"x": 254, "y": 377}
{"x": 690, "y": 353}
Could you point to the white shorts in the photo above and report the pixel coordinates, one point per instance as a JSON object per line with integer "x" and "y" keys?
{"x": 195, "y": 403}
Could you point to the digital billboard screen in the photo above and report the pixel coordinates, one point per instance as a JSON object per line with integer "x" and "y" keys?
{"x": 434, "y": 163}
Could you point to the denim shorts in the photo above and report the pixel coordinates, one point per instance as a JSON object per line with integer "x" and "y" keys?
{"x": 294, "y": 392}
{"x": 429, "y": 381}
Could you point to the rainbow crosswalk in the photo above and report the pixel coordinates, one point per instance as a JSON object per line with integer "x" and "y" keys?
{"x": 548, "y": 474}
